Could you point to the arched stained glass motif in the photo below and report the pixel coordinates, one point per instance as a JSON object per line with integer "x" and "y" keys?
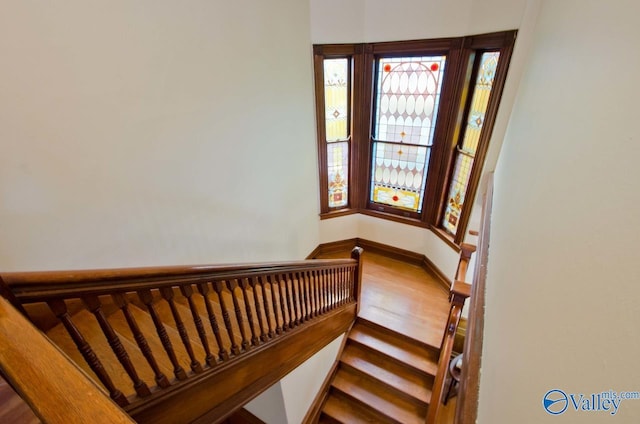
{"x": 407, "y": 100}
{"x": 465, "y": 155}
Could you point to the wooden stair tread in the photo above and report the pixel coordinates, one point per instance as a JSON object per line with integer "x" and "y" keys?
{"x": 397, "y": 347}
{"x": 339, "y": 409}
{"x": 378, "y": 398}
{"x": 403, "y": 379}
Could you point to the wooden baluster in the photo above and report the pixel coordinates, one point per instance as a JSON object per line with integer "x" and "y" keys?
{"x": 292, "y": 299}
{"x": 167, "y": 294}
{"x": 304, "y": 279}
{"x": 121, "y": 302}
{"x": 254, "y": 285}
{"x": 245, "y": 288}
{"x": 59, "y": 309}
{"x": 325, "y": 290}
{"x": 94, "y": 306}
{"x": 218, "y": 286}
{"x": 203, "y": 289}
{"x": 339, "y": 286}
{"x": 265, "y": 299}
{"x": 317, "y": 289}
{"x": 275, "y": 289}
{"x": 187, "y": 291}
{"x": 297, "y": 278}
{"x": 147, "y": 298}
{"x": 345, "y": 285}
{"x": 243, "y": 332}
{"x": 312, "y": 294}
{"x": 286, "y": 305}
{"x": 332, "y": 288}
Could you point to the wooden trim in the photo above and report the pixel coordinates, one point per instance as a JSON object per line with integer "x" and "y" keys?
{"x": 337, "y": 213}
{"x": 393, "y": 252}
{"x": 467, "y": 404}
{"x": 56, "y": 390}
{"x": 214, "y": 396}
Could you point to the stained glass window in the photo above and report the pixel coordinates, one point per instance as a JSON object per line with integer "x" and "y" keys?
{"x": 407, "y": 99}
{"x": 336, "y": 101}
{"x": 467, "y": 150}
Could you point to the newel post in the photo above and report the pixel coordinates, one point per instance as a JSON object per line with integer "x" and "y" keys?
{"x": 356, "y": 254}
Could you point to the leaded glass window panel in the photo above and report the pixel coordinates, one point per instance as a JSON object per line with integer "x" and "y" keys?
{"x": 336, "y": 98}
{"x": 408, "y": 95}
{"x": 399, "y": 174}
{"x": 338, "y": 173}
{"x": 336, "y": 106}
{"x": 407, "y": 100}
{"x": 467, "y": 149}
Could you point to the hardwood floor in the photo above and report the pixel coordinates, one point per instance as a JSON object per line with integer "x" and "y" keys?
{"x": 402, "y": 297}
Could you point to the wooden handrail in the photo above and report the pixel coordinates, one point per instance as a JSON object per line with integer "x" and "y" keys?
{"x": 55, "y": 389}
{"x": 243, "y": 307}
{"x": 460, "y": 291}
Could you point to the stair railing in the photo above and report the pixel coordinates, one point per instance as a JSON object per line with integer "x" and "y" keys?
{"x": 458, "y": 294}
{"x": 233, "y": 309}
{"x": 55, "y": 389}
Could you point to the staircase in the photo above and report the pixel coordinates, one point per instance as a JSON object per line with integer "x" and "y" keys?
{"x": 188, "y": 344}
{"x": 382, "y": 377}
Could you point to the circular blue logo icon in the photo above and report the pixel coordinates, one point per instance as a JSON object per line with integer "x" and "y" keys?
{"x": 555, "y": 402}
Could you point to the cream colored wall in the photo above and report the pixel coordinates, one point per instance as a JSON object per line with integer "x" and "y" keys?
{"x": 147, "y": 133}
{"x": 406, "y": 20}
{"x": 561, "y": 307}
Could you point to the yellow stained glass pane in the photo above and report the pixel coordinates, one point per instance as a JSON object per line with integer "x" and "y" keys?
{"x": 466, "y": 152}
{"x": 338, "y": 173}
{"x": 336, "y": 98}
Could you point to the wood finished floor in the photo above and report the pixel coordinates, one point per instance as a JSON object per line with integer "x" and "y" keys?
{"x": 402, "y": 297}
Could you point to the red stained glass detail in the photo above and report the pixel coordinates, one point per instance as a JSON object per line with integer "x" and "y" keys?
{"x": 395, "y": 198}
{"x": 387, "y": 68}
{"x": 434, "y": 67}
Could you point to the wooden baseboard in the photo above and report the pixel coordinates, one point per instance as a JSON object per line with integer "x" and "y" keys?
{"x": 393, "y": 252}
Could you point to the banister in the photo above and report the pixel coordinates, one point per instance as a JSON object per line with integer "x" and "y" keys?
{"x": 460, "y": 291}
{"x": 37, "y": 286}
{"x": 247, "y": 306}
{"x": 55, "y": 389}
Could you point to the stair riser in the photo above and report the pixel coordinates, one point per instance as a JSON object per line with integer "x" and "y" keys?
{"x": 407, "y": 396}
{"x": 426, "y": 376}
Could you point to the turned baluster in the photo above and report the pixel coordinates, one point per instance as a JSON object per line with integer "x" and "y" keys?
{"x": 147, "y": 299}
{"x": 291, "y": 294}
{"x": 304, "y": 289}
{"x": 284, "y": 302}
{"x": 297, "y": 290}
{"x": 265, "y": 300}
{"x": 219, "y": 286}
{"x": 256, "y": 301}
{"x": 121, "y": 302}
{"x": 276, "y": 304}
{"x": 325, "y": 290}
{"x": 254, "y": 286}
{"x": 94, "y": 306}
{"x": 203, "y": 289}
{"x": 316, "y": 289}
{"x": 247, "y": 306}
{"x": 187, "y": 291}
{"x": 243, "y": 332}
{"x": 59, "y": 309}
{"x": 167, "y": 294}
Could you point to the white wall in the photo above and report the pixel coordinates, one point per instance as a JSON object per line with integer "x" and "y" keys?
{"x": 155, "y": 132}
{"x": 336, "y": 21}
{"x": 562, "y": 310}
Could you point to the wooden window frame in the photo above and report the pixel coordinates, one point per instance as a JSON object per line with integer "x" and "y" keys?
{"x": 454, "y": 102}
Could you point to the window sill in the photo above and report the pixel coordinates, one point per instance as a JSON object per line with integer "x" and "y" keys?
{"x": 337, "y": 213}
{"x": 446, "y": 237}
